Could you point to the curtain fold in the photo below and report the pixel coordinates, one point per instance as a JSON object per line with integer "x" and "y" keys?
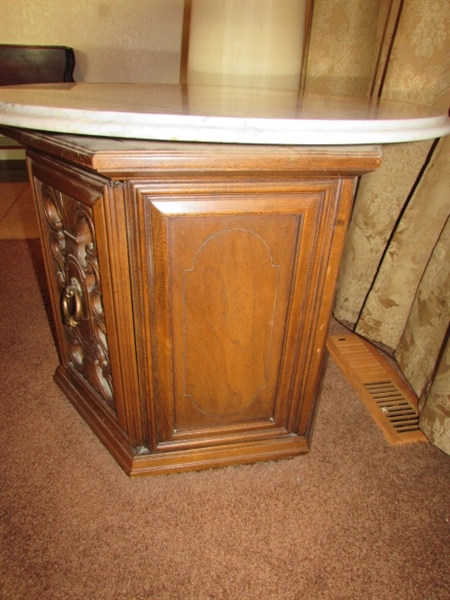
{"x": 379, "y": 204}
{"x": 423, "y": 337}
{"x": 394, "y": 284}
{"x": 435, "y": 410}
{"x": 387, "y": 308}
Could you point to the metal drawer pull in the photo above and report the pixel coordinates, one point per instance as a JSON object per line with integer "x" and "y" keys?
{"x": 71, "y": 304}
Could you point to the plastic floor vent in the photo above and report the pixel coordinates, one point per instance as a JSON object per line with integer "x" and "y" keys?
{"x": 388, "y": 399}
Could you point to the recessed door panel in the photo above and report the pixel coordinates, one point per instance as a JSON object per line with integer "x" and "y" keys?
{"x": 226, "y": 273}
{"x": 230, "y": 296}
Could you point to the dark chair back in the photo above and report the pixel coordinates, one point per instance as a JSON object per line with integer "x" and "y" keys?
{"x": 35, "y": 64}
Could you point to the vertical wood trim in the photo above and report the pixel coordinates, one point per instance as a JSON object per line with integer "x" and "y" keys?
{"x": 306, "y": 43}
{"x": 185, "y": 40}
{"x": 386, "y": 45}
{"x": 141, "y": 276}
{"x": 120, "y": 306}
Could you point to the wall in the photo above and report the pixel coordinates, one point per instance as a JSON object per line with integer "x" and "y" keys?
{"x": 113, "y": 40}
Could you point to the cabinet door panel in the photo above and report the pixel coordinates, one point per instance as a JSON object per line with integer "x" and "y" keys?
{"x": 229, "y": 299}
{"x": 229, "y": 280}
{"x": 70, "y": 235}
{"x": 74, "y": 209}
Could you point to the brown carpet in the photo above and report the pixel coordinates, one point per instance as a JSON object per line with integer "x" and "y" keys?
{"x": 355, "y": 519}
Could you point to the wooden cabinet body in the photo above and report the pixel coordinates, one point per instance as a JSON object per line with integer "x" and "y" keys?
{"x": 192, "y": 286}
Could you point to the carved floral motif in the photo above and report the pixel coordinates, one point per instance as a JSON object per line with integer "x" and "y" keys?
{"x": 71, "y": 235}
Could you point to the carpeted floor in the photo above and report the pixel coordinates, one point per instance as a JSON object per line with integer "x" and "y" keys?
{"x": 355, "y": 519}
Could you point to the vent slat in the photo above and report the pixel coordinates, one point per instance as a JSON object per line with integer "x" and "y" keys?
{"x": 403, "y": 418}
{"x": 405, "y": 429}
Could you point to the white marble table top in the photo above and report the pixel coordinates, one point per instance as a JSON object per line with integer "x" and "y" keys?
{"x": 215, "y": 114}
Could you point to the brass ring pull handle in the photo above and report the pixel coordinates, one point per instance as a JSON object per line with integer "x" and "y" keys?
{"x": 71, "y": 304}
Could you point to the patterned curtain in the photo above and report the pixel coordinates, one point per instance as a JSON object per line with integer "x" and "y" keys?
{"x": 394, "y": 285}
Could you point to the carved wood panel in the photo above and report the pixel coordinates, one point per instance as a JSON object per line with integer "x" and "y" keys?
{"x": 71, "y": 240}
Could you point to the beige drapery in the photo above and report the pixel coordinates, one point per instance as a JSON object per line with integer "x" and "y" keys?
{"x": 394, "y": 285}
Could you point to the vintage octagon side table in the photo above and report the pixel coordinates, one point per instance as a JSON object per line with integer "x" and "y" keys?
{"x": 192, "y": 239}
